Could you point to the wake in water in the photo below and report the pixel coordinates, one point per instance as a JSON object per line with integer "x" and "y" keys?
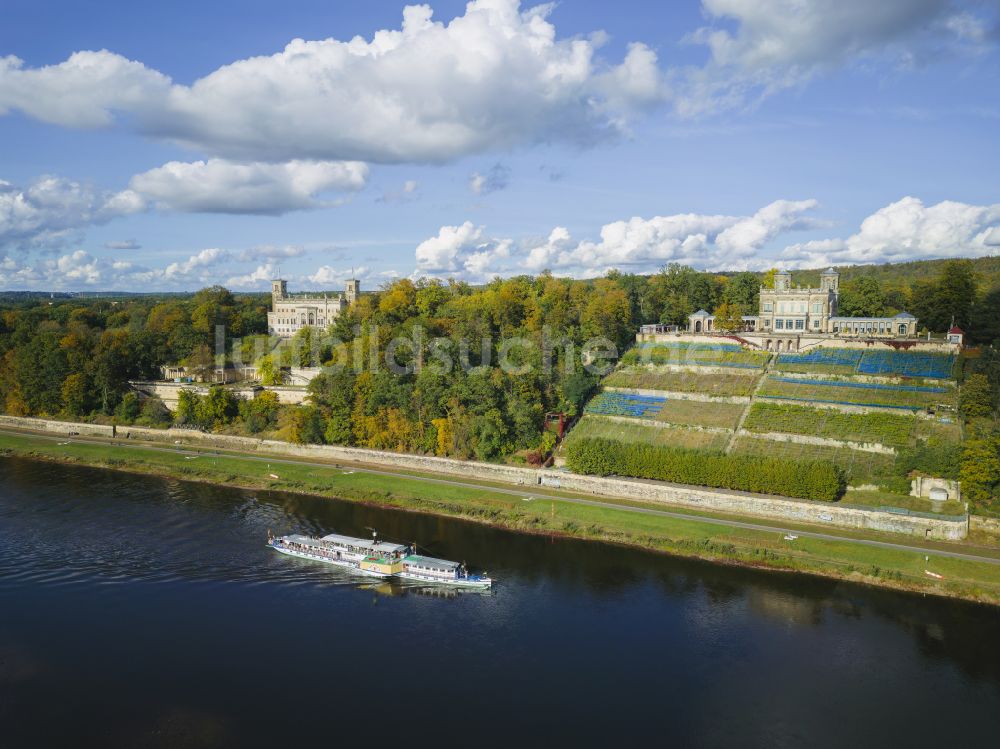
{"x": 116, "y": 531}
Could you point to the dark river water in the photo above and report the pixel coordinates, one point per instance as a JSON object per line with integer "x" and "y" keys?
{"x": 141, "y": 612}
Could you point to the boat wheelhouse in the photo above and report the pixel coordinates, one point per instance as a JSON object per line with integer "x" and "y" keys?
{"x": 431, "y": 570}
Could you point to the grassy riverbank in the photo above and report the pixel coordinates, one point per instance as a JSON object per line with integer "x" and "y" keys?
{"x": 556, "y": 515}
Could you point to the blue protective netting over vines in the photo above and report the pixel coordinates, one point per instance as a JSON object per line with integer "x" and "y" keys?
{"x": 880, "y": 362}
{"x": 907, "y": 364}
{"x": 624, "y": 404}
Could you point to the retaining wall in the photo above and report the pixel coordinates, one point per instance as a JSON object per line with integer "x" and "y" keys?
{"x": 848, "y": 408}
{"x": 657, "y": 424}
{"x": 169, "y": 392}
{"x": 681, "y": 396}
{"x": 986, "y": 525}
{"x": 807, "y": 439}
{"x": 877, "y": 379}
{"x": 804, "y": 340}
{"x": 741, "y": 503}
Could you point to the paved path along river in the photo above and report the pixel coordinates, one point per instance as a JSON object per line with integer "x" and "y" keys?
{"x": 934, "y": 549}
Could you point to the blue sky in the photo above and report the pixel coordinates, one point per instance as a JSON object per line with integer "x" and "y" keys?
{"x": 173, "y": 145}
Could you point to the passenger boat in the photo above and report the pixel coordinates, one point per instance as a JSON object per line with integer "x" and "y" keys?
{"x": 376, "y": 558}
{"x": 373, "y": 558}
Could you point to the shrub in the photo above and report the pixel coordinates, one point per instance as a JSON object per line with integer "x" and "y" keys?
{"x": 976, "y": 399}
{"x": 934, "y": 460}
{"x": 806, "y": 480}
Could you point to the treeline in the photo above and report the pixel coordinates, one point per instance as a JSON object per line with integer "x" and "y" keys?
{"x": 437, "y": 373}
{"x": 979, "y": 469}
{"x": 74, "y": 358}
{"x": 446, "y": 392}
{"x": 954, "y": 292}
{"x": 803, "y": 479}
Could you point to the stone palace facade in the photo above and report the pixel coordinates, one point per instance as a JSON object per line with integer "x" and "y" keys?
{"x": 788, "y": 310}
{"x": 289, "y": 314}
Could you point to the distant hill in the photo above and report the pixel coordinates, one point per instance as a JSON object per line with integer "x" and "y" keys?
{"x": 27, "y": 296}
{"x": 890, "y": 275}
{"x": 21, "y": 296}
{"x": 901, "y": 275}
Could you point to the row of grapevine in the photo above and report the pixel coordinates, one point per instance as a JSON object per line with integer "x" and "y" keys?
{"x": 806, "y": 480}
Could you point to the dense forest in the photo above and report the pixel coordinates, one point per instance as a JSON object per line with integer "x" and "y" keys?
{"x": 73, "y": 357}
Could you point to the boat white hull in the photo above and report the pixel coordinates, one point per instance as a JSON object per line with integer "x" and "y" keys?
{"x": 345, "y": 563}
{"x": 480, "y": 583}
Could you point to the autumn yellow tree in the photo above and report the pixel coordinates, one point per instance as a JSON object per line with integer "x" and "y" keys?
{"x": 728, "y": 317}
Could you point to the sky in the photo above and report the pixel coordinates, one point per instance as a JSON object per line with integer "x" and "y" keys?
{"x": 170, "y": 146}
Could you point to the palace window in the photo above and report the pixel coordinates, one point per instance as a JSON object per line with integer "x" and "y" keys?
{"x": 815, "y": 324}
{"x": 800, "y": 324}
{"x": 779, "y": 324}
{"x": 768, "y": 307}
{"x": 817, "y": 308}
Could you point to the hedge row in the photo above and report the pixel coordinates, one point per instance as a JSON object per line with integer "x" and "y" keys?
{"x": 804, "y": 479}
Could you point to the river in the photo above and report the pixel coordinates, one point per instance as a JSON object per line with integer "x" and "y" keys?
{"x": 137, "y": 611}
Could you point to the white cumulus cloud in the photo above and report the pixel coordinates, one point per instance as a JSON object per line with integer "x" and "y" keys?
{"x": 637, "y": 245}
{"x": 83, "y": 91}
{"x": 901, "y": 231}
{"x": 446, "y": 253}
{"x": 909, "y": 230}
{"x": 495, "y": 77}
{"x": 327, "y": 276}
{"x": 260, "y": 275}
{"x": 757, "y": 47}
{"x": 78, "y": 269}
{"x": 220, "y": 186}
{"x": 748, "y": 235}
{"x": 197, "y": 262}
{"x": 46, "y": 213}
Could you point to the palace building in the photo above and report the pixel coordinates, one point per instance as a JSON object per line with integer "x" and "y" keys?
{"x": 788, "y": 310}
{"x": 289, "y": 313}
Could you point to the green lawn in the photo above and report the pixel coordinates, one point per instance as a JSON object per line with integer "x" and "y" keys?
{"x": 861, "y": 467}
{"x": 711, "y": 383}
{"x": 805, "y": 390}
{"x": 636, "y": 431}
{"x": 698, "y": 355}
{"x": 701, "y": 413}
{"x": 895, "y": 430}
{"x": 869, "y": 498}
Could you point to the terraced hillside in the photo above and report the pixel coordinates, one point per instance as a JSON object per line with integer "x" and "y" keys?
{"x": 699, "y": 354}
{"x": 877, "y": 414}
